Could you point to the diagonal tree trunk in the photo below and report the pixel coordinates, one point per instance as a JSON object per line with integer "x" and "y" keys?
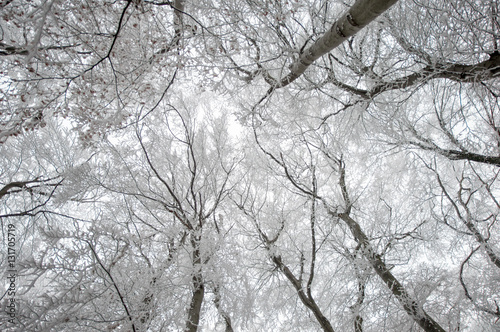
{"x": 359, "y": 15}
{"x": 488, "y": 69}
{"x": 307, "y": 300}
{"x": 222, "y": 312}
{"x": 410, "y": 305}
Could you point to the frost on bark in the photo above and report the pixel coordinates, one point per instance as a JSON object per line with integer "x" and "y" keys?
{"x": 359, "y": 16}
{"x": 488, "y": 69}
{"x": 303, "y": 291}
{"x": 409, "y": 303}
{"x": 193, "y": 319}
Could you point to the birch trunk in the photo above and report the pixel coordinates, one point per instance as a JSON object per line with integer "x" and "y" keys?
{"x": 359, "y": 15}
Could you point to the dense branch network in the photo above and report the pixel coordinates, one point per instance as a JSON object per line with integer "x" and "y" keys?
{"x": 165, "y": 180}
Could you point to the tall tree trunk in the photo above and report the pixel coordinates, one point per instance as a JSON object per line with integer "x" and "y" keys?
{"x": 359, "y": 15}
{"x": 198, "y": 295}
{"x": 178, "y": 20}
{"x": 410, "y": 305}
{"x": 308, "y": 301}
{"x": 224, "y": 314}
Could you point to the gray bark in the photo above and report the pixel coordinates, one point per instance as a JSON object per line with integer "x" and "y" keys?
{"x": 359, "y": 15}
{"x": 482, "y": 71}
{"x": 410, "y": 305}
{"x": 193, "y": 319}
{"x": 309, "y": 302}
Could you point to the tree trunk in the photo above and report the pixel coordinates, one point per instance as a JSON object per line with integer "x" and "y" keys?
{"x": 309, "y": 302}
{"x": 198, "y": 295}
{"x": 224, "y": 314}
{"x": 407, "y": 301}
{"x": 359, "y": 15}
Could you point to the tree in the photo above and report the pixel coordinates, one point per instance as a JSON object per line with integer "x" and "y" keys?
{"x": 365, "y": 196}
{"x": 303, "y": 152}
{"x": 42, "y": 178}
{"x": 191, "y": 185}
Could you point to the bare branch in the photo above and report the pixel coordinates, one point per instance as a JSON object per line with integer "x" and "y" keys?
{"x": 117, "y": 289}
{"x": 359, "y": 15}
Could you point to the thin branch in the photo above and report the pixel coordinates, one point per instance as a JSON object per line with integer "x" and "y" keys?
{"x": 122, "y": 300}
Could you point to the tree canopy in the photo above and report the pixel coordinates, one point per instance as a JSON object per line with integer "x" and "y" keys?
{"x": 246, "y": 165}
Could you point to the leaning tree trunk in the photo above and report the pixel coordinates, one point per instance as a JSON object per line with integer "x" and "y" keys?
{"x": 197, "y": 297}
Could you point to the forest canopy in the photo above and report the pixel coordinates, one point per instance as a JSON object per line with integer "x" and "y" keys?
{"x": 250, "y": 165}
